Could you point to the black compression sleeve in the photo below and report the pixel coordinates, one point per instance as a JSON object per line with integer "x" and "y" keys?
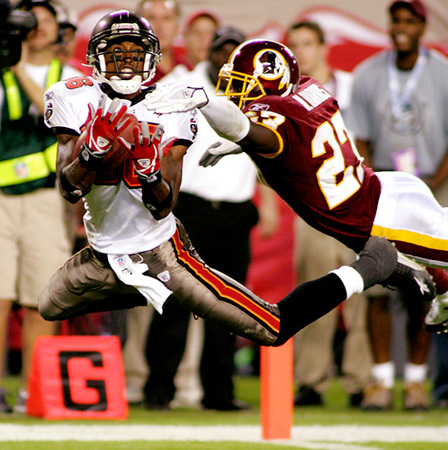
{"x": 307, "y": 303}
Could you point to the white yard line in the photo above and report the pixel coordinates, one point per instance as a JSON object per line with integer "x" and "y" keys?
{"x": 312, "y": 437}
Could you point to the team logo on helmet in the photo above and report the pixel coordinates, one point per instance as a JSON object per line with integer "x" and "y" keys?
{"x": 118, "y": 27}
{"x": 258, "y": 68}
{"x": 271, "y": 65}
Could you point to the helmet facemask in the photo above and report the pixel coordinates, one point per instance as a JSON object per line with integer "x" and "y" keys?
{"x": 127, "y": 27}
{"x": 239, "y": 87}
{"x": 145, "y": 59}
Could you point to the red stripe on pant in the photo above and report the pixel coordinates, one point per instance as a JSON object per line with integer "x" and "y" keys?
{"x": 224, "y": 290}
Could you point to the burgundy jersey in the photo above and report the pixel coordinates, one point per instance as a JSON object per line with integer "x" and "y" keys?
{"x": 318, "y": 170}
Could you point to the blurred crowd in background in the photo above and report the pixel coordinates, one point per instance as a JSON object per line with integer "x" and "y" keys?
{"x": 274, "y": 253}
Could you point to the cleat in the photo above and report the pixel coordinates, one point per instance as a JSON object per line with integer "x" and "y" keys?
{"x": 412, "y": 278}
{"x": 381, "y": 263}
{"x": 436, "y": 320}
{"x": 4, "y": 405}
{"x": 20, "y": 406}
{"x": 307, "y": 396}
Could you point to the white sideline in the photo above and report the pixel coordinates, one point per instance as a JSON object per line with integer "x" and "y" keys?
{"x": 337, "y": 437}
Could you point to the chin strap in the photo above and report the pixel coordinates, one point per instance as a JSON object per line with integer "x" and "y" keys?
{"x": 124, "y": 87}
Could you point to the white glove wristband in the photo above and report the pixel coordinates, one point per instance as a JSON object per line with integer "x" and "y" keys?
{"x": 226, "y": 119}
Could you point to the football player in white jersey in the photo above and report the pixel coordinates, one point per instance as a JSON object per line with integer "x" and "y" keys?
{"x": 139, "y": 253}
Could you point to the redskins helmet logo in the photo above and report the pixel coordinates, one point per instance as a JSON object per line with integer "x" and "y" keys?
{"x": 271, "y": 65}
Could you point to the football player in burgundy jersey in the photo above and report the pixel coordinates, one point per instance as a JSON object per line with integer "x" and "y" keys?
{"x": 139, "y": 254}
{"x": 293, "y": 130}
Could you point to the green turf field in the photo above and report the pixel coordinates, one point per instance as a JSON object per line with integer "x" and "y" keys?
{"x": 332, "y": 427}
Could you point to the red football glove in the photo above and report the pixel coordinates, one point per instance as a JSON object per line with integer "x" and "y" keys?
{"x": 102, "y": 129}
{"x": 147, "y": 152}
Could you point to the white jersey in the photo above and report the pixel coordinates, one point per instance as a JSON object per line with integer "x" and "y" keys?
{"x": 116, "y": 221}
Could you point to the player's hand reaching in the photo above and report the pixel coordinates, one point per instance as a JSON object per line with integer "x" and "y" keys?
{"x": 147, "y": 152}
{"x": 178, "y": 99}
{"x": 102, "y": 128}
{"x": 217, "y": 151}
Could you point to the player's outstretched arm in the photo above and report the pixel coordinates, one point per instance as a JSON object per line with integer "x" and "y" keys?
{"x": 223, "y": 116}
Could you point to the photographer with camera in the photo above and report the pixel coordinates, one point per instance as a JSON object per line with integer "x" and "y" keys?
{"x": 35, "y": 233}
{"x": 14, "y": 26}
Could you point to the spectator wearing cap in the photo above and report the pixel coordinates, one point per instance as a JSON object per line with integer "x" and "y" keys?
{"x": 198, "y": 34}
{"x": 216, "y": 205}
{"x": 67, "y": 35}
{"x": 416, "y": 7}
{"x": 34, "y": 234}
{"x": 399, "y": 116}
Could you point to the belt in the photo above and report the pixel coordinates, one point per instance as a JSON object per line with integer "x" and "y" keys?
{"x": 100, "y": 256}
{"x": 196, "y": 201}
{"x": 135, "y": 257}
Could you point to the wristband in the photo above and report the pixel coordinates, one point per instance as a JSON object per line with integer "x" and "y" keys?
{"x": 226, "y": 119}
{"x": 160, "y": 206}
{"x": 150, "y": 179}
{"x": 90, "y": 159}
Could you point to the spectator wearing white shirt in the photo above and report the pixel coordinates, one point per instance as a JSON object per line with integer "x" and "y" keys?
{"x": 215, "y": 203}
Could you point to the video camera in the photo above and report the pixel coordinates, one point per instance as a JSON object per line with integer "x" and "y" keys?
{"x": 14, "y": 26}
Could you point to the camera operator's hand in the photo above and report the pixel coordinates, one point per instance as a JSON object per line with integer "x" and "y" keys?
{"x": 20, "y": 66}
{"x": 34, "y": 92}
{"x": 25, "y": 52}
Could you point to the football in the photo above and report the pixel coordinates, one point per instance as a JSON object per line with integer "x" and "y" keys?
{"x": 117, "y": 155}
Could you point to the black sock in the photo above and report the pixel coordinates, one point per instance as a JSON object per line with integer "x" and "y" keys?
{"x": 307, "y": 303}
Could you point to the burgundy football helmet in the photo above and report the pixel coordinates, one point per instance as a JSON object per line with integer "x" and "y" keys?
{"x": 257, "y": 68}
